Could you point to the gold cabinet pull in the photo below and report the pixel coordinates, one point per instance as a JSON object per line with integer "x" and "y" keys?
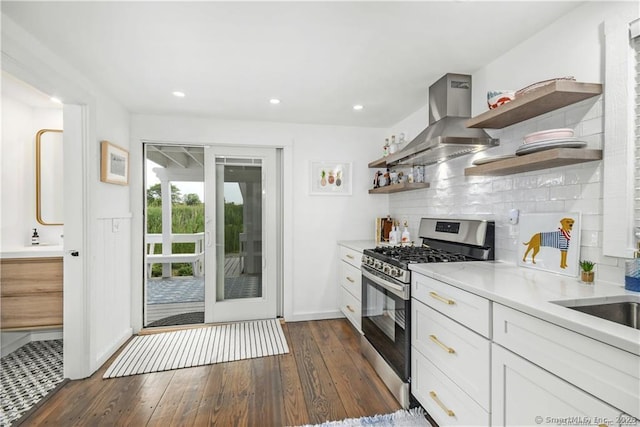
{"x": 444, "y": 347}
{"x": 350, "y": 309}
{"x": 434, "y": 396}
{"x": 439, "y": 298}
{"x": 350, "y": 256}
{"x": 350, "y": 279}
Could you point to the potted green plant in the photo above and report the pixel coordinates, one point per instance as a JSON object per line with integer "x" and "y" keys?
{"x": 587, "y": 270}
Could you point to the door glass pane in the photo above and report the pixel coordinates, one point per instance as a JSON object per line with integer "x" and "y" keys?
{"x": 174, "y": 238}
{"x": 239, "y": 228}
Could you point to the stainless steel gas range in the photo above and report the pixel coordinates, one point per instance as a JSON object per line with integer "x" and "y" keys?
{"x": 386, "y": 291}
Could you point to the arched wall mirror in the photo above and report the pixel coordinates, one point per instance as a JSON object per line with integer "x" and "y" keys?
{"x": 49, "y": 177}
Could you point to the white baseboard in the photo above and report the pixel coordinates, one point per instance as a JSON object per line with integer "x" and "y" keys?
{"x": 46, "y": 335}
{"x": 11, "y": 341}
{"x": 105, "y": 355}
{"x": 302, "y": 317}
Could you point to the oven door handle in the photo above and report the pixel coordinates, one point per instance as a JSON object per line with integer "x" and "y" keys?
{"x": 398, "y": 290}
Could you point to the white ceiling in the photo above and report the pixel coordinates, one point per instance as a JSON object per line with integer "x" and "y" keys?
{"x": 319, "y": 58}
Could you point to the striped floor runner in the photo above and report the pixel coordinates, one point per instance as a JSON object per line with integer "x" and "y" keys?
{"x": 201, "y": 346}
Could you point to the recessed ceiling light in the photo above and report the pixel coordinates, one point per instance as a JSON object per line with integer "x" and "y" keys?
{"x": 178, "y": 94}
{"x": 274, "y": 101}
{"x": 358, "y": 107}
{"x": 56, "y": 100}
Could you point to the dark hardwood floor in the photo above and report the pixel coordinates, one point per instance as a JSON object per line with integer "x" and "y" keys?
{"x": 323, "y": 378}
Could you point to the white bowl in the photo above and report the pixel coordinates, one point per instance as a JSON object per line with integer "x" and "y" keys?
{"x": 548, "y": 135}
{"x": 496, "y": 98}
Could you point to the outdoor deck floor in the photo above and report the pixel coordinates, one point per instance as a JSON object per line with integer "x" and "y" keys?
{"x": 177, "y": 295}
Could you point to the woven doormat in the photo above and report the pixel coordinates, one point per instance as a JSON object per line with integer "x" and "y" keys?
{"x": 196, "y": 347}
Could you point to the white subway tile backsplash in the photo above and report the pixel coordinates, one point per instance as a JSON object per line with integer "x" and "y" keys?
{"x": 610, "y": 273}
{"x": 591, "y": 222}
{"x": 586, "y": 206}
{"x": 576, "y": 188}
{"x": 591, "y": 191}
{"x": 536, "y": 194}
{"x": 502, "y": 184}
{"x": 552, "y": 122}
{"x": 592, "y": 126}
{"x": 550, "y": 206}
{"x": 583, "y": 175}
{"x": 566, "y": 192}
{"x": 525, "y": 181}
{"x": 551, "y": 179}
{"x": 590, "y": 238}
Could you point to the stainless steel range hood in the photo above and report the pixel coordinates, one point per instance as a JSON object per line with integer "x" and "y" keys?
{"x": 446, "y": 136}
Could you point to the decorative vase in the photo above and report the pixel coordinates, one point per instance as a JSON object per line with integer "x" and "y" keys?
{"x": 587, "y": 276}
{"x": 632, "y": 275}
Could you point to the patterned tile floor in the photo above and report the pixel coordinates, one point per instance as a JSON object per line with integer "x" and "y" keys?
{"x": 191, "y": 289}
{"x": 28, "y": 374}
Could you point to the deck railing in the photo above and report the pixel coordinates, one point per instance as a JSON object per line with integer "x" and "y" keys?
{"x": 196, "y": 259}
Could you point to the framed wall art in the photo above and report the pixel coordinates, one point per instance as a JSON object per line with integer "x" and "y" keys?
{"x": 330, "y": 178}
{"x": 550, "y": 241}
{"x": 114, "y": 164}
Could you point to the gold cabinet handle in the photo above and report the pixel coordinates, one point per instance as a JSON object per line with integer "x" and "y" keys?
{"x": 350, "y": 309}
{"x": 444, "y": 347}
{"x": 350, "y": 279}
{"x": 448, "y": 411}
{"x": 439, "y": 298}
{"x": 350, "y": 256}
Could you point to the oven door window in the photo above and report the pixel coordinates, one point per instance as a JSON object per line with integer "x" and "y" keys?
{"x": 384, "y": 323}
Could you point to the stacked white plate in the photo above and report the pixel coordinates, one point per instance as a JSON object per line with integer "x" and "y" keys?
{"x": 548, "y": 139}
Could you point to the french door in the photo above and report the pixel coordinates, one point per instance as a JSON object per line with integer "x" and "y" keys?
{"x": 240, "y": 233}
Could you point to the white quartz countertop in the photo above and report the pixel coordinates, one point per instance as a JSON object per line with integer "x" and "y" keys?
{"x": 358, "y": 245}
{"x": 532, "y": 291}
{"x": 36, "y": 251}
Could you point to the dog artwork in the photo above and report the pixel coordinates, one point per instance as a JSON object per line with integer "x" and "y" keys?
{"x": 558, "y": 239}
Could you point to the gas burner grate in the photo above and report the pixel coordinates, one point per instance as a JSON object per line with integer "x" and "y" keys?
{"x": 418, "y": 254}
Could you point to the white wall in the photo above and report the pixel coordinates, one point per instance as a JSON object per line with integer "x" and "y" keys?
{"x": 101, "y": 302}
{"x": 571, "y": 46}
{"x": 313, "y": 224}
{"x": 20, "y": 123}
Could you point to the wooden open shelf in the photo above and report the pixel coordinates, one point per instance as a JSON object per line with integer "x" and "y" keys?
{"x": 380, "y": 163}
{"x": 396, "y": 188}
{"x": 536, "y": 161}
{"x": 539, "y": 101}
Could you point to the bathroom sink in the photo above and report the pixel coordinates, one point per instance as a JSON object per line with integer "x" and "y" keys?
{"x": 624, "y": 309}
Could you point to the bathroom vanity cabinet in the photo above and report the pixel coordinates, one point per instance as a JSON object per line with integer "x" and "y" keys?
{"x": 31, "y": 293}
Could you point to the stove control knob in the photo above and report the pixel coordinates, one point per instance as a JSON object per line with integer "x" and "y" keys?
{"x": 386, "y": 269}
{"x": 395, "y": 272}
{"x": 370, "y": 261}
{"x": 377, "y": 264}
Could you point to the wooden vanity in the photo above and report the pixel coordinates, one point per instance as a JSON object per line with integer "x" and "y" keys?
{"x": 31, "y": 293}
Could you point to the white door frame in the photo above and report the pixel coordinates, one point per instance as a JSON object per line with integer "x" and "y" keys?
{"x": 76, "y": 319}
{"x": 265, "y": 306}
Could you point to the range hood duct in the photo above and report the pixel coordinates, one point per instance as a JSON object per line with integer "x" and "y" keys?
{"x": 446, "y": 136}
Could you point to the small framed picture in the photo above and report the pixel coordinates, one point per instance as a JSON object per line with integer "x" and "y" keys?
{"x": 330, "y": 178}
{"x": 114, "y": 165}
{"x": 550, "y": 242}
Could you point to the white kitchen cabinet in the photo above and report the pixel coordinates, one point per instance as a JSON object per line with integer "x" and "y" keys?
{"x": 443, "y": 400}
{"x": 606, "y": 372}
{"x": 350, "y": 285}
{"x": 524, "y": 394}
{"x": 464, "y": 307}
{"x": 451, "y": 354}
{"x": 460, "y": 353}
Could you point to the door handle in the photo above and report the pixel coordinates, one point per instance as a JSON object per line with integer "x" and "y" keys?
{"x": 73, "y": 252}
